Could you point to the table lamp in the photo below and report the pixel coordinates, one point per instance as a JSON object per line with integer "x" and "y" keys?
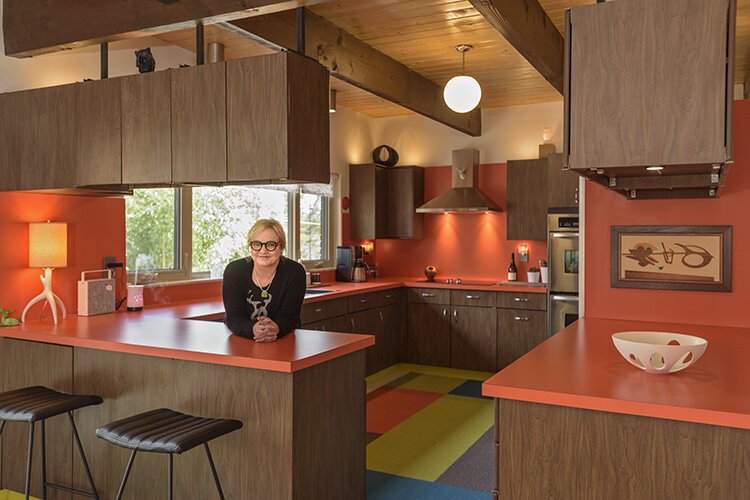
{"x": 48, "y": 249}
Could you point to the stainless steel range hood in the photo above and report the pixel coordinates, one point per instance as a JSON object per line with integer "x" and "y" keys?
{"x": 464, "y": 196}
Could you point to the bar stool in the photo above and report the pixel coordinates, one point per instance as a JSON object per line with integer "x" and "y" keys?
{"x": 166, "y": 431}
{"x": 32, "y": 404}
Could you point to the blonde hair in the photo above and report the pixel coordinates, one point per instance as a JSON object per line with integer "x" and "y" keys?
{"x": 264, "y": 224}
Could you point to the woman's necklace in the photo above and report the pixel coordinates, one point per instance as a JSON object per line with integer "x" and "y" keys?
{"x": 263, "y": 289}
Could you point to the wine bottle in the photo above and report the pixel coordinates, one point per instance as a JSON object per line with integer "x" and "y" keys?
{"x": 512, "y": 271}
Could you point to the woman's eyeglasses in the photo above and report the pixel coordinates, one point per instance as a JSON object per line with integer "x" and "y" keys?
{"x": 270, "y": 245}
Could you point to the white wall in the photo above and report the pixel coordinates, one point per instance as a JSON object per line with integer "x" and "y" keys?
{"x": 510, "y": 133}
{"x": 75, "y": 65}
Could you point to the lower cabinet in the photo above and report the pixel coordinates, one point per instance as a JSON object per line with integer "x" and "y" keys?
{"x": 429, "y": 334}
{"x": 474, "y": 338}
{"x": 381, "y": 323}
{"x": 335, "y": 324}
{"x": 519, "y": 331}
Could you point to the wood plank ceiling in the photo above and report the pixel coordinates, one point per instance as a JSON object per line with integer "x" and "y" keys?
{"x": 422, "y": 35}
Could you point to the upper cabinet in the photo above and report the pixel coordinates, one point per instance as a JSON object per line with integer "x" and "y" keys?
{"x": 384, "y": 202}
{"x": 255, "y": 120}
{"x": 650, "y": 84}
{"x": 278, "y": 120}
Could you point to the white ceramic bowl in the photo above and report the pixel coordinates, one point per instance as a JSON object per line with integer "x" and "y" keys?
{"x": 659, "y": 352}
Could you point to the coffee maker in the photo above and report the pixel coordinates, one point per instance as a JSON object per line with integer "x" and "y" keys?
{"x": 344, "y": 263}
{"x": 359, "y": 274}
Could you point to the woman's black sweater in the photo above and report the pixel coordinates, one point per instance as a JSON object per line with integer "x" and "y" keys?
{"x": 243, "y": 302}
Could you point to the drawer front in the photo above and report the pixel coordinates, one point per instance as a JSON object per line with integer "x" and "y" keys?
{"x": 478, "y": 298}
{"x": 322, "y": 310}
{"x": 536, "y": 301}
{"x": 429, "y": 296}
{"x": 363, "y": 301}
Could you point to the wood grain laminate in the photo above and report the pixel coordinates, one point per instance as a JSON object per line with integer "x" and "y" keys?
{"x": 308, "y": 134}
{"x": 318, "y": 311}
{"x": 147, "y": 128}
{"x": 10, "y": 138}
{"x": 130, "y": 384}
{"x": 429, "y": 334}
{"x": 335, "y": 324}
{"x": 527, "y": 202}
{"x": 368, "y": 191}
{"x": 475, "y": 298}
{"x": 556, "y": 452}
{"x": 53, "y": 368}
{"x": 364, "y": 301}
{"x": 405, "y": 194}
{"x": 518, "y": 332}
{"x": 520, "y": 300}
{"x": 562, "y": 185}
{"x": 98, "y": 133}
{"x": 369, "y": 322}
{"x": 428, "y": 296}
{"x": 473, "y": 338}
{"x": 643, "y": 52}
{"x": 199, "y": 124}
{"x": 328, "y": 458}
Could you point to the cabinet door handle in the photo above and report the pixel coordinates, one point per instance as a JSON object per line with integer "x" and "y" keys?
{"x": 520, "y": 318}
{"x": 381, "y": 315}
{"x": 388, "y": 296}
{"x": 322, "y": 328}
{"x": 318, "y": 309}
{"x": 519, "y": 299}
{"x": 455, "y": 315}
{"x": 362, "y": 301}
{"x": 473, "y": 297}
{"x": 351, "y": 320}
{"x": 445, "y": 312}
{"x": 428, "y": 295}
{"x": 576, "y": 196}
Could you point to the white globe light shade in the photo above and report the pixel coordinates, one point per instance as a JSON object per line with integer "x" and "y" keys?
{"x": 462, "y": 93}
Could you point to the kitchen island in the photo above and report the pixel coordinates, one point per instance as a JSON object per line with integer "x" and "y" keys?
{"x": 301, "y": 399}
{"x": 575, "y": 420}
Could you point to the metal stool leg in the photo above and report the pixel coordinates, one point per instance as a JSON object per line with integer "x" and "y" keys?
{"x": 125, "y": 477}
{"x": 83, "y": 455}
{"x": 213, "y": 471}
{"x": 28, "y": 461}
{"x": 44, "y": 462}
{"x": 171, "y": 474}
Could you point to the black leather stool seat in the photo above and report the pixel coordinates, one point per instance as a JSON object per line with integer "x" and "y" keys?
{"x": 165, "y": 431}
{"x": 31, "y": 404}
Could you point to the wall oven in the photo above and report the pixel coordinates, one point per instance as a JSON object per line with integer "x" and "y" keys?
{"x": 563, "y": 269}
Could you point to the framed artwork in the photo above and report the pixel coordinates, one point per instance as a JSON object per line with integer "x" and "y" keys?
{"x": 695, "y": 258}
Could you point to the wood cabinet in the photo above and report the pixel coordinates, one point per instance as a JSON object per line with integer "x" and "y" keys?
{"x": 670, "y": 65}
{"x": 379, "y": 322}
{"x": 405, "y": 194}
{"x": 278, "y": 120}
{"x": 368, "y": 192}
{"x": 38, "y": 137}
{"x": 98, "y": 133}
{"x": 199, "y": 124}
{"x": 474, "y": 338}
{"x": 428, "y": 334}
{"x": 147, "y": 128}
{"x": 527, "y": 199}
{"x": 384, "y": 202}
{"x": 562, "y": 185}
{"x": 521, "y": 330}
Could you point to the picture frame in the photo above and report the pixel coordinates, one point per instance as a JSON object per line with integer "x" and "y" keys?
{"x": 690, "y": 258}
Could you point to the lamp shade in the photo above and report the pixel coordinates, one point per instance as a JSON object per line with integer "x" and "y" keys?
{"x": 462, "y": 93}
{"x": 48, "y": 244}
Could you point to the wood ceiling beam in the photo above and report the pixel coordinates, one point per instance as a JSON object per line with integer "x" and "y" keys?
{"x": 356, "y": 62}
{"x": 33, "y": 27}
{"x": 526, "y": 26}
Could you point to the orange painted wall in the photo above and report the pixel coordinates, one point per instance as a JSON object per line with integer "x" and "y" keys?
{"x": 96, "y": 227}
{"x": 469, "y": 246}
{"x": 605, "y": 209}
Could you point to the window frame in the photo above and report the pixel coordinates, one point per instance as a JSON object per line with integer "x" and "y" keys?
{"x": 184, "y": 237}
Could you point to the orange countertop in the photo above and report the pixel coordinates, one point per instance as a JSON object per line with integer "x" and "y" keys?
{"x": 167, "y": 331}
{"x": 580, "y": 367}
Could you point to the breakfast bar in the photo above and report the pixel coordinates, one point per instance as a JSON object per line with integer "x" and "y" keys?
{"x": 573, "y": 417}
{"x": 293, "y": 396}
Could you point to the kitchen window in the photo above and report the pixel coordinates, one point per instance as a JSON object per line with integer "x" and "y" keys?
{"x": 177, "y": 234}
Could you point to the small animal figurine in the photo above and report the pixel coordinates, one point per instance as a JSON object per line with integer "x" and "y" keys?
{"x": 5, "y": 320}
{"x": 144, "y": 60}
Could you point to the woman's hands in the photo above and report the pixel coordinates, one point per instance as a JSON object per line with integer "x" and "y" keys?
{"x": 265, "y": 330}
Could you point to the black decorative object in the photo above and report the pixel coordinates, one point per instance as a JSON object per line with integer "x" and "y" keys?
{"x": 144, "y": 60}
{"x": 384, "y": 155}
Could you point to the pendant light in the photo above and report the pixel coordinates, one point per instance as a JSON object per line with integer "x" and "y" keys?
{"x": 462, "y": 93}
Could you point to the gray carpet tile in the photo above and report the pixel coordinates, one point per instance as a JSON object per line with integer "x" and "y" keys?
{"x": 474, "y": 469}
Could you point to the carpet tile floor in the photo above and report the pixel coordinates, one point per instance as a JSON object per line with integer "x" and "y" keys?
{"x": 429, "y": 434}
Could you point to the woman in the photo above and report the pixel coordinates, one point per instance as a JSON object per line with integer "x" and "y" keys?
{"x": 263, "y": 293}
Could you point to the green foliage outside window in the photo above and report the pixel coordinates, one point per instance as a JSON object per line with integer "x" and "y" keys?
{"x": 150, "y": 234}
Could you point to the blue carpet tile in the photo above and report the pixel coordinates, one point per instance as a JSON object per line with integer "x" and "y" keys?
{"x": 381, "y": 486}
{"x": 470, "y": 388}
